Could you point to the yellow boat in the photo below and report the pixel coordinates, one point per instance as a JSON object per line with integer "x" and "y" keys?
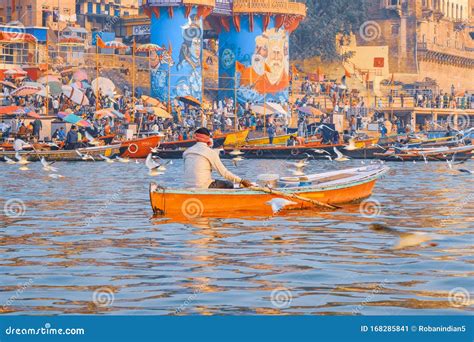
{"x": 277, "y": 140}
{"x": 236, "y": 138}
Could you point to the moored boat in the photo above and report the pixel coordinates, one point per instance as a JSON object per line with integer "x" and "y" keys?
{"x": 139, "y": 148}
{"x": 277, "y": 140}
{"x": 316, "y": 151}
{"x": 336, "y": 187}
{"x": 66, "y": 155}
{"x": 458, "y": 153}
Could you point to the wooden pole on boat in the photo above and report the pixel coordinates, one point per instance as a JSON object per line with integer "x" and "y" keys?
{"x": 133, "y": 78}
{"x": 292, "y": 196}
{"x": 96, "y": 75}
{"x": 235, "y": 99}
{"x": 47, "y": 86}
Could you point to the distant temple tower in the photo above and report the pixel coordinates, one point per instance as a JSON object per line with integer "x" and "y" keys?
{"x": 253, "y": 47}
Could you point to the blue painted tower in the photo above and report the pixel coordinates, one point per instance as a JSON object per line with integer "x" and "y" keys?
{"x": 253, "y": 47}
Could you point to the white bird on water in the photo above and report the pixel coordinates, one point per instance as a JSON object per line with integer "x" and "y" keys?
{"x": 85, "y": 156}
{"x": 21, "y": 160}
{"x": 122, "y": 160}
{"x": 107, "y": 159}
{"x": 340, "y": 156}
{"x": 278, "y": 204}
{"x": 236, "y": 153}
{"x": 300, "y": 163}
{"x": 153, "y": 167}
{"x": 317, "y": 150}
{"x": 236, "y": 160}
{"x": 55, "y": 176}
{"x": 9, "y": 161}
{"x": 47, "y": 166}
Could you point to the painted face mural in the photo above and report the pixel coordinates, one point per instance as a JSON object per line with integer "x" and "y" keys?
{"x": 181, "y": 61}
{"x": 260, "y": 55}
{"x": 267, "y": 76}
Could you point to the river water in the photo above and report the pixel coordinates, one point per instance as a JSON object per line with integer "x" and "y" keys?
{"x": 87, "y": 244}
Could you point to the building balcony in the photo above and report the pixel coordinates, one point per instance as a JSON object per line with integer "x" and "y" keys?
{"x": 269, "y": 6}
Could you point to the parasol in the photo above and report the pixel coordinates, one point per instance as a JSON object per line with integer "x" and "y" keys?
{"x": 79, "y": 75}
{"x": 116, "y": 45}
{"x": 75, "y": 95}
{"x": 189, "y": 100}
{"x": 310, "y": 110}
{"x": 15, "y": 72}
{"x": 276, "y": 107}
{"x": 104, "y": 84}
{"x": 108, "y": 112}
{"x": 74, "y": 119}
{"x": 159, "y": 112}
{"x": 26, "y": 90}
{"x": 262, "y": 110}
{"x": 48, "y": 79}
{"x": 149, "y": 47}
{"x": 8, "y": 84}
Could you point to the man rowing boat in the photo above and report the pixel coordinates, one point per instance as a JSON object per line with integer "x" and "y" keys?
{"x": 201, "y": 159}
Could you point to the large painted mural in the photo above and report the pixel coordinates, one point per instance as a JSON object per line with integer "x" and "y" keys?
{"x": 258, "y": 59}
{"x": 178, "y": 69}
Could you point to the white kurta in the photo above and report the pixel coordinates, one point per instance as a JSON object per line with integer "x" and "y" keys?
{"x": 199, "y": 161}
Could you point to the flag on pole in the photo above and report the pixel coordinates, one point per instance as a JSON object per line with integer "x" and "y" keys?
{"x": 100, "y": 43}
{"x": 347, "y": 73}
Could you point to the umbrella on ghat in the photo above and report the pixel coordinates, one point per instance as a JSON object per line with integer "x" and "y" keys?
{"x": 159, "y": 112}
{"x": 150, "y": 100}
{"x": 26, "y": 90}
{"x": 75, "y": 95}
{"x": 79, "y": 75}
{"x": 149, "y": 47}
{"x": 17, "y": 110}
{"x": 108, "y": 112}
{"x": 48, "y": 79}
{"x": 310, "y": 110}
{"x": 116, "y": 45}
{"x": 190, "y": 100}
{"x": 8, "y": 84}
{"x": 104, "y": 84}
{"x": 74, "y": 119}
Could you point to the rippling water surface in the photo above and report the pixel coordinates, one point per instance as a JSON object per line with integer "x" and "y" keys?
{"x": 87, "y": 243}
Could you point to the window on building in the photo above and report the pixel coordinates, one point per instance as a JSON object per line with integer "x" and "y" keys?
{"x": 97, "y": 8}
{"x": 107, "y": 8}
{"x": 395, "y": 30}
{"x": 89, "y": 7}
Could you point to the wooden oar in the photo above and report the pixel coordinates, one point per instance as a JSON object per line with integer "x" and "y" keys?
{"x": 293, "y": 196}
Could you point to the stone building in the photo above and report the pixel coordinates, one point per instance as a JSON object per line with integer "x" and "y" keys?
{"x": 425, "y": 39}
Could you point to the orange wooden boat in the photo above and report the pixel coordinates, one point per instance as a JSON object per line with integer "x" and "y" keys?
{"x": 139, "y": 148}
{"x": 336, "y": 187}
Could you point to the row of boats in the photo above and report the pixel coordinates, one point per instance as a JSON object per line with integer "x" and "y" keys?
{"x": 388, "y": 149}
{"x": 323, "y": 191}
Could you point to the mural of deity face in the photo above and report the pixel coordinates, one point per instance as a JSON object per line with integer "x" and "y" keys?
{"x": 260, "y": 54}
{"x": 276, "y": 55}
